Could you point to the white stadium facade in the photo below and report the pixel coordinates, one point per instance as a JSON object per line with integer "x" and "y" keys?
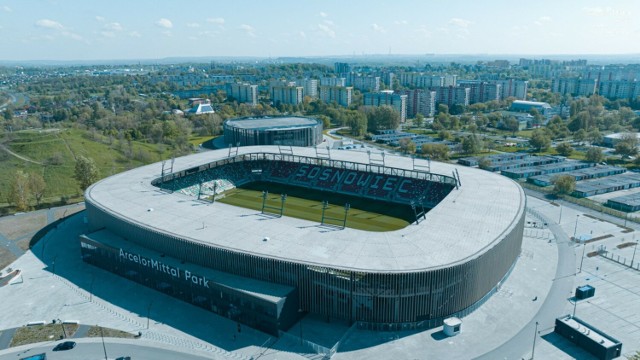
{"x": 155, "y": 225}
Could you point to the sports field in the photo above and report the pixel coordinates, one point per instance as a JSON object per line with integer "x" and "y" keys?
{"x": 303, "y": 203}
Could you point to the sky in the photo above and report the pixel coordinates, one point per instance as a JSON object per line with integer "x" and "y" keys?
{"x": 155, "y": 29}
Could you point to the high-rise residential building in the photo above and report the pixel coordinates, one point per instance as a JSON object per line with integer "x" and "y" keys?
{"x": 618, "y": 89}
{"x": 450, "y": 80}
{"x": 420, "y": 101}
{"x": 244, "y": 93}
{"x": 512, "y": 88}
{"x": 364, "y": 83}
{"x": 342, "y": 68}
{"x": 387, "y": 97}
{"x": 310, "y": 87}
{"x": 451, "y": 95}
{"x": 481, "y": 91}
{"x": 420, "y": 80}
{"x": 574, "y": 86}
{"x": 333, "y": 81}
{"x": 340, "y": 94}
{"x": 292, "y": 95}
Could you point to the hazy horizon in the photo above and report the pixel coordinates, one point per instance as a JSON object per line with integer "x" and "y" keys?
{"x": 48, "y": 30}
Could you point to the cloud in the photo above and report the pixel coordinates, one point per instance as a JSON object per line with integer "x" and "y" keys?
{"x": 302, "y": 34}
{"x": 248, "y": 29}
{"x": 209, "y": 33}
{"x": 100, "y": 18}
{"x": 462, "y": 23}
{"x": 606, "y": 11}
{"x": 49, "y": 24}
{"x": 72, "y": 35}
{"x": 327, "y": 30}
{"x": 323, "y": 14}
{"x": 218, "y": 21}
{"x": 5, "y": 8}
{"x": 135, "y": 34}
{"x": 401, "y": 22}
{"x": 193, "y": 25}
{"x": 108, "y": 34}
{"x": 378, "y": 28}
{"x": 542, "y": 20}
{"x": 164, "y": 23}
{"x": 114, "y": 26}
{"x": 167, "y": 33}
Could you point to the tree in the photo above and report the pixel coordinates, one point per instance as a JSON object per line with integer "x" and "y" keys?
{"x": 419, "y": 120}
{"x": 86, "y": 172}
{"x": 435, "y": 151}
{"x": 580, "y": 136}
{"x": 444, "y": 135}
{"x": 471, "y": 144}
{"x": 443, "y": 109}
{"x": 564, "y": 184}
{"x": 357, "y": 121}
{"x": 564, "y": 149}
{"x": 594, "y": 155}
{"x": 540, "y": 140}
{"x": 627, "y": 145}
{"x": 594, "y": 136}
{"x": 407, "y": 145}
{"x": 511, "y": 124}
{"x": 382, "y": 118}
{"x": 484, "y": 163}
{"x": 37, "y": 186}
{"x": 19, "y": 192}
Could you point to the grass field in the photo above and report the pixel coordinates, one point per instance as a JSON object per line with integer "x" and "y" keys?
{"x": 303, "y": 203}
{"x": 52, "y": 153}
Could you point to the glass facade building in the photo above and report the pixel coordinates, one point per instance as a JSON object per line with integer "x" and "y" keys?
{"x": 289, "y": 131}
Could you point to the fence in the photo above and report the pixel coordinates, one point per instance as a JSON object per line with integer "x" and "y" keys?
{"x": 586, "y": 203}
{"x": 620, "y": 260}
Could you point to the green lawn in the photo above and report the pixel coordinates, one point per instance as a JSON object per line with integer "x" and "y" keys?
{"x": 306, "y": 204}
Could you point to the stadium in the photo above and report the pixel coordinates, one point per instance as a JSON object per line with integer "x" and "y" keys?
{"x": 266, "y": 234}
{"x": 280, "y": 130}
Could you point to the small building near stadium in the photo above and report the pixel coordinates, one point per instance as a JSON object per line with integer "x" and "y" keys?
{"x": 282, "y": 130}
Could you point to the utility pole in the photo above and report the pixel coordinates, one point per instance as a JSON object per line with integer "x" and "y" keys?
{"x": 575, "y": 229}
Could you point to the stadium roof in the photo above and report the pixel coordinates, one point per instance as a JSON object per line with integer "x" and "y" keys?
{"x": 468, "y": 222}
{"x": 266, "y": 123}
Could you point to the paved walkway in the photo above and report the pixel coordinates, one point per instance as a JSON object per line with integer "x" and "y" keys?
{"x": 504, "y": 327}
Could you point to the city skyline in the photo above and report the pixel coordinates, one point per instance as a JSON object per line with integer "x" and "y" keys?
{"x": 74, "y": 30}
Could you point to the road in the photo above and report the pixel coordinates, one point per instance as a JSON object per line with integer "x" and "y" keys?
{"x": 553, "y": 306}
{"x": 89, "y": 350}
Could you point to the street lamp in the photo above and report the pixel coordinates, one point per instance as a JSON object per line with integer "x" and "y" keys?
{"x": 584, "y": 246}
{"x": 560, "y": 218}
{"x": 634, "y": 253}
{"x": 575, "y": 229}
{"x": 103, "y": 346}
{"x": 535, "y": 335}
{"x": 149, "y": 313}
{"x": 64, "y": 332}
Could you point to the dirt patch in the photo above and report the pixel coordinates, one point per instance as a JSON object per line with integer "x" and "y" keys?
{"x": 94, "y": 331}
{"x": 592, "y": 254}
{"x": 14, "y": 227}
{"x": 6, "y": 257}
{"x": 625, "y": 245}
{"x": 39, "y": 333}
{"x": 598, "y": 238}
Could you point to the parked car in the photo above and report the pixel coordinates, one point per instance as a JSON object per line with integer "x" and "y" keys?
{"x": 67, "y": 345}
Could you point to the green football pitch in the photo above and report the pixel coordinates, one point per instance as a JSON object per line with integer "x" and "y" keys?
{"x": 304, "y": 203}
